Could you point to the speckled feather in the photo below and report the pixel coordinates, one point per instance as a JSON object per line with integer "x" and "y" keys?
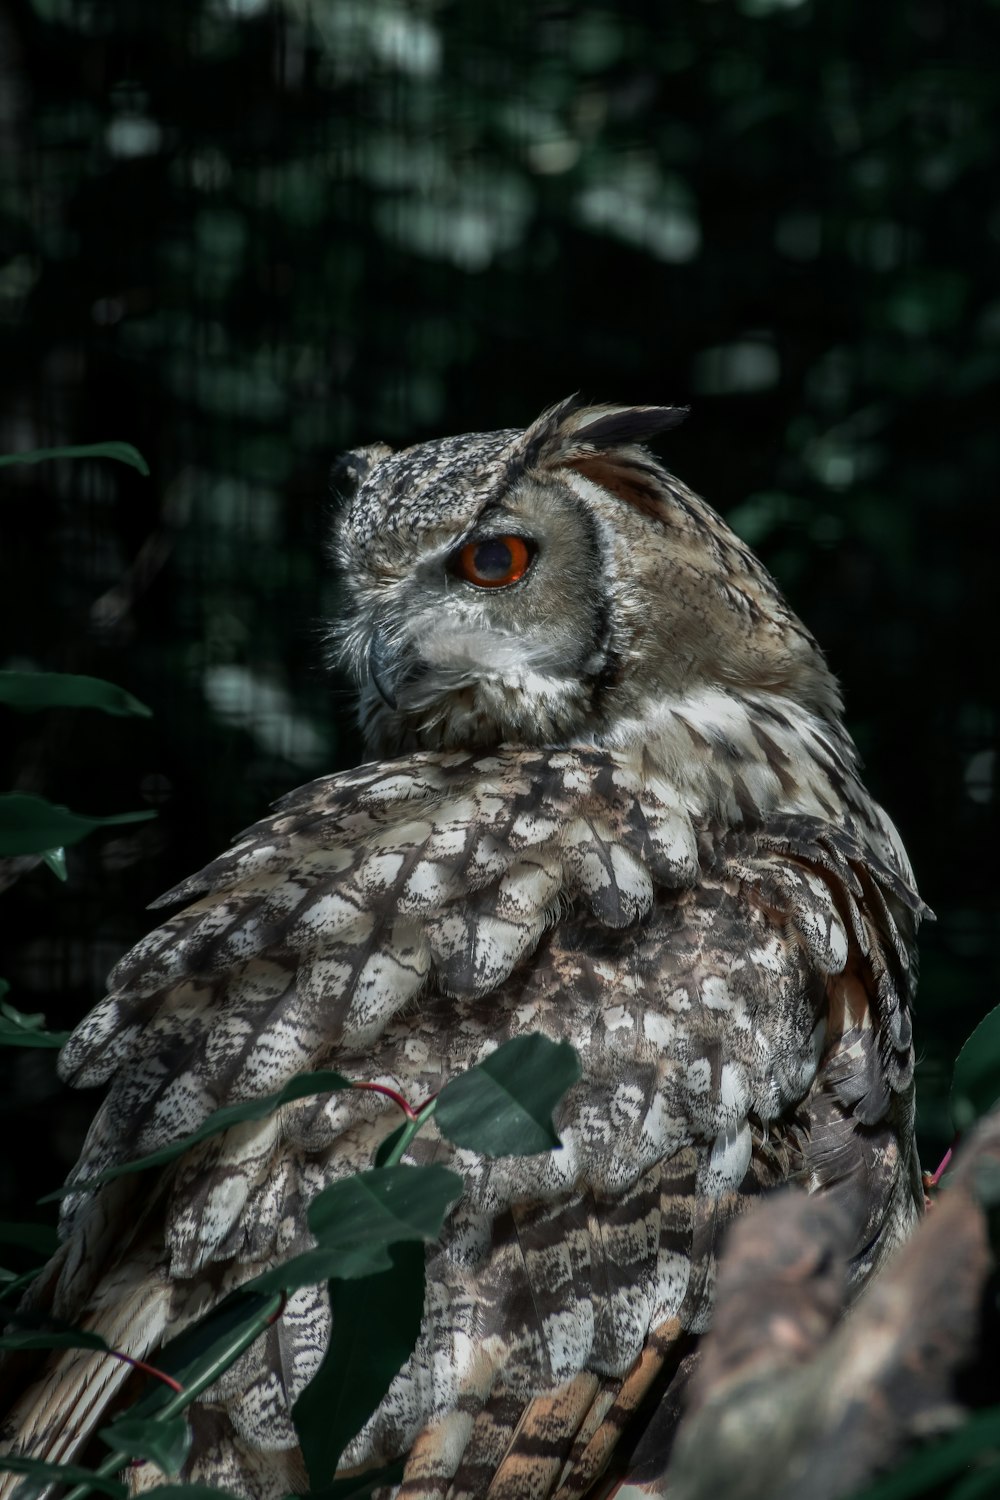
{"x": 689, "y": 883}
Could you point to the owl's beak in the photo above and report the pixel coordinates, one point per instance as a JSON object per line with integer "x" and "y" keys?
{"x": 380, "y": 668}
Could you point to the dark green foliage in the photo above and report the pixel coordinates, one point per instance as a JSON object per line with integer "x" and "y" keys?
{"x": 30, "y": 691}
{"x": 123, "y": 452}
{"x": 45, "y": 1473}
{"x": 39, "y": 1237}
{"x": 370, "y": 1231}
{"x": 376, "y": 1321}
{"x": 70, "y": 1338}
{"x": 191, "y": 1492}
{"x": 355, "y": 1222}
{"x": 504, "y": 1105}
{"x": 164, "y": 1441}
{"x": 975, "y": 1444}
{"x": 303, "y": 1086}
{"x": 29, "y": 825}
{"x": 19, "y": 1030}
{"x": 975, "y": 1084}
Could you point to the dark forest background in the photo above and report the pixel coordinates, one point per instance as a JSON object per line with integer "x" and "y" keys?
{"x": 246, "y": 234}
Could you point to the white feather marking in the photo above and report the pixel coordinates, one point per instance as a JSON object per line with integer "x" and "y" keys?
{"x": 658, "y": 1029}
{"x": 634, "y": 885}
{"x": 528, "y": 888}
{"x": 729, "y": 1160}
{"x": 497, "y": 947}
{"x": 395, "y": 836}
{"x": 533, "y": 829}
{"x": 734, "y": 1096}
{"x": 698, "y": 1076}
{"x": 379, "y": 871}
{"x": 387, "y": 980}
{"x": 429, "y": 885}
{"x": 715, "y": 993}
{"x": 180, "y": 1108}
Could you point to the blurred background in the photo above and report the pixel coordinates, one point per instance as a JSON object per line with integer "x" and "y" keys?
{"x": 246, "y": 234}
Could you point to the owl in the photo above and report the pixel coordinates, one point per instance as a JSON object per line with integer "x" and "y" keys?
{"x": 610, "y": 798}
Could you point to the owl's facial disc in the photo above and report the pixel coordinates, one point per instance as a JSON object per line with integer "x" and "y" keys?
{"x": 461, "y": 624}
{"x": 489, "y": 632}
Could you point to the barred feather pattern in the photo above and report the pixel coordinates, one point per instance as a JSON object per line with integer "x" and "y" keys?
{"x": 400, "y": 922}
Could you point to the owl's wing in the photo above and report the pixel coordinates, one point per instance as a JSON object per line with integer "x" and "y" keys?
{"x": 325, "y": 921}
{"x": 433, "y": 874}
{"x": 396, "y": 923}
{"x": 789, "y": 925}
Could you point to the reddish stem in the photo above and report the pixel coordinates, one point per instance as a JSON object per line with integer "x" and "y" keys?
{"x": 140, "y": 1364}
{"x": 380, "y": 1088}
{"x": 175, "y": 1385}
{"x": 934, "y": 1178}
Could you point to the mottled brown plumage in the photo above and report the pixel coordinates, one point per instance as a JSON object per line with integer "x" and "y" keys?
{"x": 612, "y": 801}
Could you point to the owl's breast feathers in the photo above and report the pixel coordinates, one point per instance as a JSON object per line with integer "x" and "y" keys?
{"x": 716, "y": 917}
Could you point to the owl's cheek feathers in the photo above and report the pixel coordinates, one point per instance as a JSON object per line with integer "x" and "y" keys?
{"x": 477, "y": 690}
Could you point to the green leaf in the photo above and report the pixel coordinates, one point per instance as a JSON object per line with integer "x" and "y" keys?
{"x": 123, "y": 452}
{"x": 198, "y": 1356}
{"x": 193, "y": 1492}
{"x": 56, "y": 861}
{"x": 27, "y": 1338}
{"x": 389, "y": 1145}
{"x": 40, "y": 1237}
{"x": 376, "y": 1321}
{"x": 38, "y": 1330}
{"x": 16, "y": 1284}
{"x": 17, "y": 1029}
{"x": 356, "y": 1220}
{"x": 503, "y": 1106}
{"x": 47, "y": 1474}
{"x": 195, "y": 1359}
{"x": 30, "y": 691}
{"x": 933, "y": 1463}
{"x": 302, "y": 1086}
{"x": 29, "y": 825}
{"x": 975, "y": 1083}
{"x": 166, "y": 1442}
{"x": 981, "y": 1484}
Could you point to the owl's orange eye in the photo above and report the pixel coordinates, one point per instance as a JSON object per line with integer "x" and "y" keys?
{"x": 492, "y": 563}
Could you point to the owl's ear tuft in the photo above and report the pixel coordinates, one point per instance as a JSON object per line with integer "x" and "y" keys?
{"x": 600, "y": 443}
{"x": 351, "y": 469}
{"x": 613, "y": 426}
{"x": 572, "y": 430}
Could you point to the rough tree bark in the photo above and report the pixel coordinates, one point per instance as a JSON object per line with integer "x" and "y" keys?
{"x": 795, "y": 1400}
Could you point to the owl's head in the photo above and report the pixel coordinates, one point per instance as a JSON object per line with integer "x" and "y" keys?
{"x": 550, "y": 585}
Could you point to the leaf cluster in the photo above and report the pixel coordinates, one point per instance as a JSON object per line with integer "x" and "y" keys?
{"x": 31, "y": 825}
{"x": 370, "y": 1230}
